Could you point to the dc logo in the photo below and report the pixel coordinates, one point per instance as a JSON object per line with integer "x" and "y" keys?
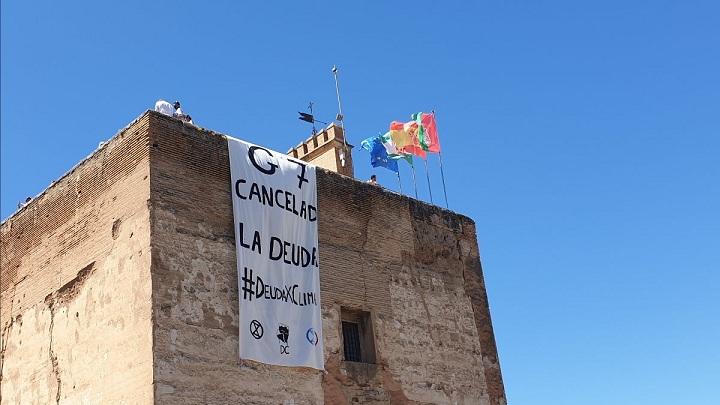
{"x": 283, "y": 336}
{"x": 283, "y": 333}
{"x": 312, "y": 336}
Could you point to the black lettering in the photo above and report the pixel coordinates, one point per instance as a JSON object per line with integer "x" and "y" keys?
{"x": 255, "y": 191}
{"x": 301, "y": 176}
{"x": 240, "y": 231}
{"x": 256, "y": 247}
{"x": 237, "y": 188}
{"x": 273, "y": 240}
{"x": 291, "y": 292}
{"x": 259, "y": 288}
{"x": 294, "y": 210}
{"x": 305, "y": 257}
{"x": 267, "y": 196}
{"x": 294, "y": 255}
{"x": 288, "y": 196}
{"x": 312, "y": 213}
{"x": 251, "y": 155}
{"x": 247, "y": 284}
{"x": 285, "y": 252}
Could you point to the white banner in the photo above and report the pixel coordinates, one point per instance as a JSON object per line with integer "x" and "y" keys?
{"x": 275, "y": 209}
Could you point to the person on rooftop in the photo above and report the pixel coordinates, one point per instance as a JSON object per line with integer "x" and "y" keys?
{"x": 22, "y": 204}
{"x": 180, "y": 114}
{"x": 178, "y": 111}
{"x": 373, "y": 180}
{"x": 163, "y": 107}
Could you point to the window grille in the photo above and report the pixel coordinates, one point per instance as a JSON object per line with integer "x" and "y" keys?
{"x": 351, "y": 340}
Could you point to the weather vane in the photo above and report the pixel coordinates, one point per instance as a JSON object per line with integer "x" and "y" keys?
{"x": 310, "y": 117}
{"x": 340, "y": 118}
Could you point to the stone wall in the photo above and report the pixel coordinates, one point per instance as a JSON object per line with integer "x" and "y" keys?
{"x": 118, "y": 285}
{"x": 195, "y": 293}
{"x": 75, "y": 284}
{"x": 413, "y": 267}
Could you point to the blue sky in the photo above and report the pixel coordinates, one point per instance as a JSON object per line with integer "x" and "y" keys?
{"x": 582, "y": 137}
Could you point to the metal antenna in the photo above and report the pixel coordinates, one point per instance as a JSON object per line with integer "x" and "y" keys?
{"x": 340, "y": 116}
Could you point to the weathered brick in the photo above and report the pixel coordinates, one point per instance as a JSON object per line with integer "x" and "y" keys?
{"x": 122, "y": 277}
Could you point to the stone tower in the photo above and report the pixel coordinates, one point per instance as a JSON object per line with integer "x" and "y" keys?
{"x": 118, "y": 284}
{"x": 327, "y": 149}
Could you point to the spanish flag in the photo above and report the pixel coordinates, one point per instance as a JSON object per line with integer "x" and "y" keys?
{"x": 405, "y": 137}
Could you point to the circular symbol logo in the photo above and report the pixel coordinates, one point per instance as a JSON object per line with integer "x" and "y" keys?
{"x": 312, "y": 336}
{"x": 256, "y": 329}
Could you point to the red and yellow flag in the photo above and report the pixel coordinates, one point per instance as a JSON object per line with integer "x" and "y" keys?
{"x": 405, "y": 137}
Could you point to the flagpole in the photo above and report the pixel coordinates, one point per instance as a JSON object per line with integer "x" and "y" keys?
{"x": 399, "y": 182}
{"x": 442, "y": 174}
{"x": 414, "y": 182}
{"x": 443, "y": 180}
{"x": 340, "y": 117}
{"x": 427, "y": 173}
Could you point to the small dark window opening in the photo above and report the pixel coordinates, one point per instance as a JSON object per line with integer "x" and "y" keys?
{"x": 351, "y": 336}
{"x": 358, "y": 336}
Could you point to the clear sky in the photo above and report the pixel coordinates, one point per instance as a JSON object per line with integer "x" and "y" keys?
{"x": 582, "y": 137}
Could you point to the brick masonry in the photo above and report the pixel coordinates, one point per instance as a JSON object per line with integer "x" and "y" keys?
{"x": 131, "y": 275}
{"x": 327, "y": 149}
{"x": 75, "y": 284}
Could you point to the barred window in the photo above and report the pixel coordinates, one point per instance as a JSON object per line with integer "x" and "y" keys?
{"x": 358, "y": 336}
{"x": 351, "y": 337}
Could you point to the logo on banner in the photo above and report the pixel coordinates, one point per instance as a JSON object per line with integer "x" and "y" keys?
{"x": 275, "y": 212}
{"x": 256, "y": 329}
{"x": 283, "y": 335}
{"x": 312, "y": 337}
